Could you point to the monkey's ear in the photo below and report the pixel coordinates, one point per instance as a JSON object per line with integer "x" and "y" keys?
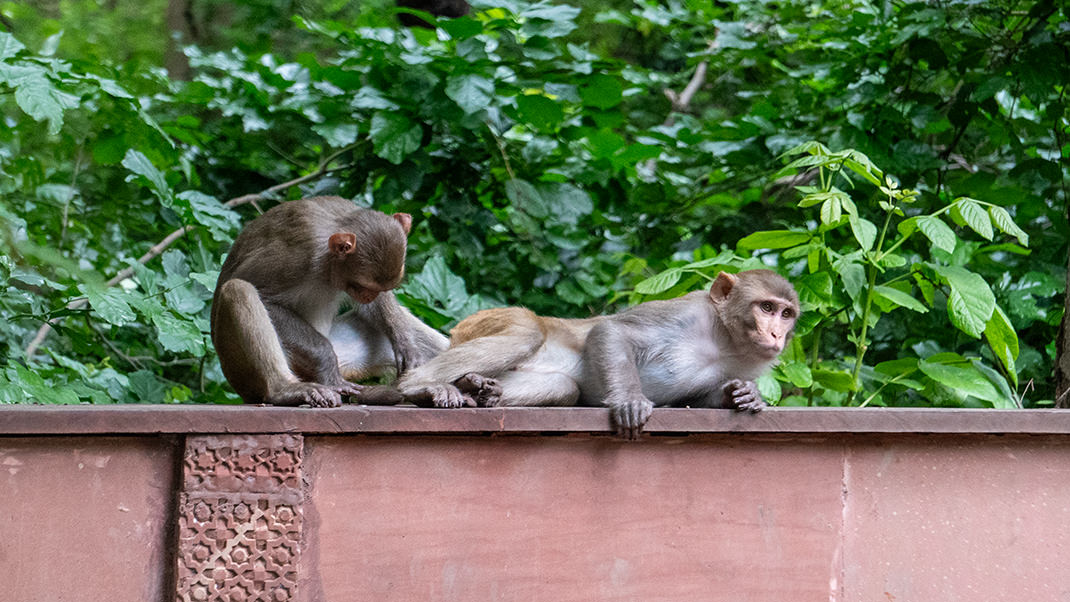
{"x": 722, "y": 285}
{"x": 342, "y": 243}
{"x": 405, "y": 220}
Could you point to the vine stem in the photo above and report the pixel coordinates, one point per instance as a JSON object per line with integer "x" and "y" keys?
{"x": 154, "y": 251}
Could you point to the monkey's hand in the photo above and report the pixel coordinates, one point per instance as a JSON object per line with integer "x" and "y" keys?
{"x": 630, "y": 415}
{"x": 743, "y": 395}
{"x": 410, "y": 352}
{"x": 481, "y": 391}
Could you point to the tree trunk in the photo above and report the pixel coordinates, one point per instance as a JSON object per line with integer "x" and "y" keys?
{"x": 1062, "y": 347}
{"x": 178, "y": 23}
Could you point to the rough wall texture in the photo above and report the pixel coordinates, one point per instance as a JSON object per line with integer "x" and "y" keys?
{"x": 239, "y": 519}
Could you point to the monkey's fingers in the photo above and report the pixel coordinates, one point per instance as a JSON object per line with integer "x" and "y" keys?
{"x": 319, "y": 396}
{"x": 629, "y": 417}
{"x": 482, "y": 391}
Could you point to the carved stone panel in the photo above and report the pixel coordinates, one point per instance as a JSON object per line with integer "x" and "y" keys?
{"x": 239, "y": 519}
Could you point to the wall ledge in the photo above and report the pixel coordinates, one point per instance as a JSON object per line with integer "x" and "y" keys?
{"x": 357, "y": 419}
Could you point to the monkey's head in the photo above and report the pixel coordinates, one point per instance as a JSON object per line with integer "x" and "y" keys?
{"x": 369, "y": 257}
{"x": 759, "y": 309}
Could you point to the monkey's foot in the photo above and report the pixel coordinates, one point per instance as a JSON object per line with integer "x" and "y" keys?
{"x": 743, "y": 396}
{"x": 630, "y": 416}
{"x": 311, "y": 394}
{"x": 481, "y": 391}
{"x": 435, "y": 396}
{"x": 348, "y": 389}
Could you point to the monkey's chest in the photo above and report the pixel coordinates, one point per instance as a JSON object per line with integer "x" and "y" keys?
{"x": 669, "y": 378}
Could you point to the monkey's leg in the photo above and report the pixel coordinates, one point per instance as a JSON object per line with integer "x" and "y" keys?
{"x": 251, "y": 354}
{"x": 309, "y": 354}
{"x": 611, "y": 378}
{"x": 521, "y": 388}
{"x": 487, "y": 356}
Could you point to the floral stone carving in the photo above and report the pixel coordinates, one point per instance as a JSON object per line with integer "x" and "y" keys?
{"x": 239, "y": 519}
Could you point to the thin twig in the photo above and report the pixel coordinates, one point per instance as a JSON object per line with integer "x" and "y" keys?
{"x": 162, "y": 246}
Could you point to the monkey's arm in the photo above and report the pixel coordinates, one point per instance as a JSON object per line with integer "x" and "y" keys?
{"x": 414, "y": 342}
{"x": 611, "y": 377}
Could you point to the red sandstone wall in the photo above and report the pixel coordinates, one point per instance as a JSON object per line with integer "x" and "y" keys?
{"x": 358, "y": 504}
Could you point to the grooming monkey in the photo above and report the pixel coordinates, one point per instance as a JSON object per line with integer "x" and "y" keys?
{"x": 274, "y": 314}
{"x": 703, "y": 349}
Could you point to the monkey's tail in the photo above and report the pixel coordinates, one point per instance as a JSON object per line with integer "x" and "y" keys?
{"x": 378, "y": 395}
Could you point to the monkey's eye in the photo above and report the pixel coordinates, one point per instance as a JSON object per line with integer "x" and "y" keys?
{"x": 767, "y": 307}
{"x": 788, "y": 313}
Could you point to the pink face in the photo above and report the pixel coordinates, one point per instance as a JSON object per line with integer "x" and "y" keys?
{"x": 774, "y": 318}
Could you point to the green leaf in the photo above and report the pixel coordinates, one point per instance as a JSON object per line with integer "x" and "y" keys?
{"x": 602, "y": 91}
{"x": 461, "y": 28}
{"x": 109, "y": 304}
{"x": 769, "y": 388}
{"x": 974, "y": 215}
{"x": 394, "y": 136}
{"x": 9, "y": 46}
{"x": 773, "y": 239}
{"x": 865, "y": 232}
{"x": 963, "y": 378}
{"x": 40, "y": 99}
{"x": 1003, "y": 220}
{"x": 539, "y": 111}
{"x": 798, "y": 374}
{"x": 472, "y": 93}
{"x": 830, "y": 211}
{"x": 220, "y": 220}
{"x": 566, "y": 201}
{"x": 834, "y": 380}
{"x": 942, "y": 236}
{"x": 851, "y": 272}
{"x": 659, "y": 283}
{"x": 140, "y": 165}
{"x": 815, "y": 290}
{"x": 970, "y": 303}
{"x": 526, "y": 197}
{"x": 1002, "y": 338}
{"x": 178, "y": 335}
{"x": 900, "y": 298}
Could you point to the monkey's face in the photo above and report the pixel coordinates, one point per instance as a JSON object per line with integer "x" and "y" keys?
{"x": 770, "y": 324}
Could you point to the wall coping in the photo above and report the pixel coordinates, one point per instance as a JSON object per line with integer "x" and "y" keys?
{"x": 357, "y": 419}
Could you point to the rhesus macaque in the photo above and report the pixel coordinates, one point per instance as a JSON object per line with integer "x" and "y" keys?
{"x": 703, "y": 349}
{"x": 275, "y": 322}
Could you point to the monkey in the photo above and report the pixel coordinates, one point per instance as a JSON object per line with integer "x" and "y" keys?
{"x": 274, "y": 317}
{"x": 704, "y": 349}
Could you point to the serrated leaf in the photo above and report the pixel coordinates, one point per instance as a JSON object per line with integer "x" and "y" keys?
{"x": 1005, "y": 223}
{"x": 659, "y": 283}
{"x": 974, "y": 215}
{"x": 900, "y": 298}
{"x": 9, "y": 46}
{"x": 394, "y": 136}
{"x": 40, "y": 99}
{"x": 220, "y": 220}
{"x": 1003, "y": 340}
{"x": 109, "y": 304}
{"x": 471, "y": 92}
{"x": 773, "y": 239}
{"x": 939, "y": 233}
{"x": 138, "y": 163}
{"x": 178, "y": 335}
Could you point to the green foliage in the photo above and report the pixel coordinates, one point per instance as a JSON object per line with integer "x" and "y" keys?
{"x": 546, "y": 166}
